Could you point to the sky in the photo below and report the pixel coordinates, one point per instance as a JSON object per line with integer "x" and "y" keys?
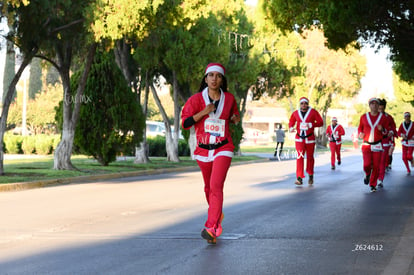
{"x": 377, "y": 81}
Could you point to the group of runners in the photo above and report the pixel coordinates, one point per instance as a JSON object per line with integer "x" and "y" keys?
{"x": 213, "y": 108}
{"x": 376, "y": 128}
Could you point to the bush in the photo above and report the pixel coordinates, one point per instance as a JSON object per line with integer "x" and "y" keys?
{"x": 13, "y": 144}
{"x": 55, "y": 142}
{"x": 109, "y": 113}
{"x": 236, "y": 135}
{"x": 29, "y": 145}
{"x": 44, "y": 144}
{"x": 156, "y": 147}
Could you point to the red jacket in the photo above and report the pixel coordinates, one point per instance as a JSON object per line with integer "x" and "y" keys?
{"x": 227, "y": 107}
{"x": 335, "y": 134}
{"x": 391, "y": 128}
{"x": 305, "y": 125}
{"x": 408, "y": 132}
{"x": 368, "y": 124}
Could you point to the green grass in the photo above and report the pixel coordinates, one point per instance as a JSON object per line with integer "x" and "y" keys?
{"x": 41, "y": 168}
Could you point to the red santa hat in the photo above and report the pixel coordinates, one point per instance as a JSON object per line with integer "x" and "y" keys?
{"x": 215, "y": 67}
{"x": 334, "y": 119}
{"x": 304, "y": 99}
{"x": 407, "y": 114}
{"x": 373, "y": 99}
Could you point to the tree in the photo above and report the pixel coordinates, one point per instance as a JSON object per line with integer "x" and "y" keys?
{"x": 40, "y": 116}
{"x": 9, "y": 68}
{"x": 375, "y": 22}
{"x": 403, "y": 90}
{"x": 35, "y": 78}
{"x": 175, "y": 34}
{"x": 55, "y": 32}
{"x": 280, "y": 60}
{"x": 110, "y": 116}
{"x": 329, "y": 75}
{"x": 29, "y": 46}
{"x": 125, "y": 22}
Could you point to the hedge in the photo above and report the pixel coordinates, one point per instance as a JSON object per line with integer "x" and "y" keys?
{"x": 46, "y": 145}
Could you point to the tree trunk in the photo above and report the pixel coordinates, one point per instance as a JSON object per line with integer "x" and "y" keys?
{"x": 9, "y": 70}
{"x": 7, "y": 101}
{"x": 63, "y": 151}
{"x": 192, "y": 141}
{"x": 177, "y": 111}
{"x": 172, "y": 151}
{"x": 141, "y": 151}
{"x": 127, "y": 64}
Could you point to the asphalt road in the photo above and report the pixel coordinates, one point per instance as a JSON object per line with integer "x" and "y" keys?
{"x": 152, "y": 224}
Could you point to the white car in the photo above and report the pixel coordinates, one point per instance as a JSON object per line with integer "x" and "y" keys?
{"x": 155, "y": 128}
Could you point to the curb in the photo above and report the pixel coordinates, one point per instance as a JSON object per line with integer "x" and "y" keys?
{"x": 20, "y": 186}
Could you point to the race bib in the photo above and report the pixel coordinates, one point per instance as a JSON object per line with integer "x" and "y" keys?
{"x": 376, "y": 147}
{"x": 410, "y": 142}
{"x": 215, "y": 127}
{"x": 303, "y": 126}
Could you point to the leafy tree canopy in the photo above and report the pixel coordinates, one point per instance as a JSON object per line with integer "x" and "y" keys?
{"x": 375, "y": 22}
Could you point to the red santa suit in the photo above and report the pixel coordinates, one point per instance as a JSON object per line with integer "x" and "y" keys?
{"x": 335, "y": 134}
{"x": 214, "y": 147}
{"x": 371, "y": 146}
{"x": 305, "y": 138}
{"x": 407, "y": 142}
{"x": 387, "y": 142}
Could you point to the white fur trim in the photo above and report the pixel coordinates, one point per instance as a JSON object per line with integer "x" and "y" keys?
{"x": 215, "y": 68}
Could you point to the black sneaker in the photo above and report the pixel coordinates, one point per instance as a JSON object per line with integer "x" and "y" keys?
{"x": 373, "y": 189}
{"x": 310, "y": 179}
{"x": 332, "y": 167}
{"x": 299, "y": 181}
{"x": 366, "y": 179}
{"x": 339, "y": 162}
{"x": 380, "y": 184}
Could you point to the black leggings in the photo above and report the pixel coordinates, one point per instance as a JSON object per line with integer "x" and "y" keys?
{"x": 281, "y": 146}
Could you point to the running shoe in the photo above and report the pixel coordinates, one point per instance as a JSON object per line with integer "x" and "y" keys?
{"x": 332, "y": 167}
{"x": 373, "y": 189}
{"x": 299, "y": 181}
{"x": 209, "y": 234}
{"x": 339, "y": 162}
{"x": 366, "y": 179}
{"x": 310, "y": 182}
{"x": 380, "y": 184}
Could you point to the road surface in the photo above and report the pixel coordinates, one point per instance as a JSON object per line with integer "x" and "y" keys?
{"x": 152, "y": 224}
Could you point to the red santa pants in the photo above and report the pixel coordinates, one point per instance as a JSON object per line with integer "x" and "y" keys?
{"x": 214, "y": 174}
{"x": 335, "y": 149}
{"x": 371, "y": 164}
{"x": 384, "y": 161}
{"x": 303, "y": 148}
{"x": 407, "y": 156}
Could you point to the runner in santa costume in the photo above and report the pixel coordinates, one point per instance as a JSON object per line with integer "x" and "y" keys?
{"x": 371, "y": 129}
{"x": 334, "y": 132}
{"x": 211, "y": 111}
{"x": 406, "y": 132}
{"x": 387, "y": 141}
{"x": 306, "y": 119}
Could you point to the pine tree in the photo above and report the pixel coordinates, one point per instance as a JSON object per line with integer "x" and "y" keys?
{"x": 111, "y": 119}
